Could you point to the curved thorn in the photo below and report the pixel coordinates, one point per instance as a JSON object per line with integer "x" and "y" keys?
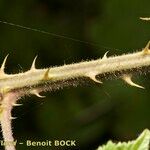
{"x": 12, "y": 118}
{"x": 92, "y": 76}
{"x": 94, "y": 79}
{"x": 146, "y": 50}
{"x": 105, "y": 55}
{"x": 36, "y": 93}
{"x": 127, "y": 79}
{"x": 3, "y": 64}
{"x": 33, "y": 63}
{"x": 17, "y": 104}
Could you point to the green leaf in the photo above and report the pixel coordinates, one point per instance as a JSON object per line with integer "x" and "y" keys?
{"x": 141, "y": 143}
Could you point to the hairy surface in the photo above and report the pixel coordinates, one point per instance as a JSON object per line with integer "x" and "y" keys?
{"x": 34, "y": 81}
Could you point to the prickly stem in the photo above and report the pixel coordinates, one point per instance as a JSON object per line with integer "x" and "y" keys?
{"x": 6, "y": 119}
{"x": 34, "y": 81}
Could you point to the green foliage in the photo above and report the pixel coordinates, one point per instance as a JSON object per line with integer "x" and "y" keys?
{"x": 76, "y": 113}
{"x": 141, "y": 143}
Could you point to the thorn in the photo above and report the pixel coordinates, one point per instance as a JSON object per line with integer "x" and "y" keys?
{"x": 17, "y": 104}
{"x": 145, "y": 18}
{"x": 146, "y": 50}
{"x": 35, "y": 92}
{"x": 92, "y": 76}
{"x": 105, "y": 55}
{"x": 46, "y": 76}
{"x": 127, "y": 79}
{"x": 3, "y": 65}
{"x": 12, "y": 118}
{"x": 33, "y": 64}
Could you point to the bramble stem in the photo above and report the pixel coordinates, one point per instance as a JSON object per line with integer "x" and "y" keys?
{"x": 5, "y": 120}
{"x": 34, "y": 81}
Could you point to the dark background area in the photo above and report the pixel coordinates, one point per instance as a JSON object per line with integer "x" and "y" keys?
{"x": 92, "y": 114}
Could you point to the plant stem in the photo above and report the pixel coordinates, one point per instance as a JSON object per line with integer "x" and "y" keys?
{"x": 6, "y": 120}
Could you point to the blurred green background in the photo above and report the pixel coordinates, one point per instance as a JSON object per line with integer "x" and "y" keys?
{"x": 91, "y": 114}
